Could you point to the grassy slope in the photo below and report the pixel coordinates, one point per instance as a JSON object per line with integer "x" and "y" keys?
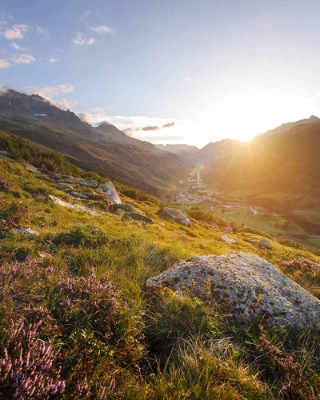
{"x": 174, "y": 348}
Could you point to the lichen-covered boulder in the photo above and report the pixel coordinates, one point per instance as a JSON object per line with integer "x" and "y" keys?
{"x": 175, "y": 214}
{"x": 109, "y": 189}
{"x": 246, "y": 287}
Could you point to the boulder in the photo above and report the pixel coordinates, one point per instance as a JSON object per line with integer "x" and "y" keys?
{"x": 175, "y": 214}
{"x": 228, "y": 229}
{"x": 265, "y": 243}
{"x": 139, "y": 217}
{"x": 109, "y": 189}
{"x": 226, "y": 239}
{"x": 246, "y": 287}
{"x": 82, "y": 182}
{"x": 32, "y": 168}
{"x": 124, "y": 207}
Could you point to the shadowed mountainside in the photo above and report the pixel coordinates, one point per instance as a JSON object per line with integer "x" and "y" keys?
{"x": 104, "y": 149}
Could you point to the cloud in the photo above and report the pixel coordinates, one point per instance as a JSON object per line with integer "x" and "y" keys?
{"x": 101, "y": 29}
{"x": 50, "y": 91}
{"x": 16, "y": 32}
{"x": 168, "y": 125}
{"x": 80, "y": 40}
{"x": 23, "y": 59}
{"x": 85, "y": 117}
{"x": 42, "y": 32}
{"x": 4, "y": 64}
{"x": 3, "y": 90}
{"x": 17, "y": 47}
{"x": 53, "y": 60}
{"x": 150, "y": 128}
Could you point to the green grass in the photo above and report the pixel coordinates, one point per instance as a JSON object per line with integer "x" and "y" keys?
{"x": 84, "y": 277}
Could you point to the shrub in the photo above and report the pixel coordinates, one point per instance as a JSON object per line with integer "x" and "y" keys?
{"x": 81, "y": 236}
{"x": 4, "y": 185}
{"x": 27, "y": 369}
{"x": 12, "y": 214}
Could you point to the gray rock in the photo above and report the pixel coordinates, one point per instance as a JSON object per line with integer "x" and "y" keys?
{"x": 78, "y": 195}
{"x": 245, "y": 286}
{"x": 124, "y": 207}
{"x": 63, "y": 186}
{"x": 82, "y": 182}
{"x": 227, "y": 229}
{"x": 175, "y": 214}
{"x": 139, "y": 217}
{"x": 76, "y": 207}
{"x": 5, "y": 154}
{"x": 26, "y": 231}
{"x": 265, "y": 243}
{"x": 109, "y": 189}
{"x": 31, "y": 168}
{"x": 226, "y": 239}
{"x": 55, "y": 176}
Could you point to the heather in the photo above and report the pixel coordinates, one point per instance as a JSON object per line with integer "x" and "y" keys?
{"x": 76, "y": 321}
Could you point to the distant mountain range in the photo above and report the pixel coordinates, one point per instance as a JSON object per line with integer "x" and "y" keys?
{"x": 104, "y": 149}
{"x": 180, "y": 149}
{"x": 278, "y": 170}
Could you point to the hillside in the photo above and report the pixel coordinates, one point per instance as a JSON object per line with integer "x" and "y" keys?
{"x": 179, "y": 149}
{"x": 91, "y": 329}
{"x": 107, "y": 151}
{"x": 277, "y": 170}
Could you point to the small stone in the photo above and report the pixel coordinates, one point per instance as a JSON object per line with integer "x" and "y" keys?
{"x": 265, "y": 243}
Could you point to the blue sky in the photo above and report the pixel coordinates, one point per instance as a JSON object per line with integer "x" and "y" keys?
{"x": 210, "y": 69}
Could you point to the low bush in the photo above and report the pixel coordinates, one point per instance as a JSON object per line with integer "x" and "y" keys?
{"x": 81, "y": 236}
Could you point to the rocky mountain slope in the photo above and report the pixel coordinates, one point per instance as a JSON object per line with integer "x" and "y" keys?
{"x": 104, "y": 149}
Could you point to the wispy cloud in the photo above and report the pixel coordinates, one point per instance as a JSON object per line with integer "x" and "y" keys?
{"x": 50, "y": 91}
{"x": 42, "y": 32}
{"x": 4, "y": 64}
{"x": 101, "y": 29}
{"x": 53, "y": 60}
{"x": 86, "y": 117}
{"x": 17, "y": 47}
{"x": 23, "y": 59}
{"x": 168, "y": 125}
{"x": 16, "y": 32}
{"x": 150, "y": 128}
{"x": 81, "y": 40}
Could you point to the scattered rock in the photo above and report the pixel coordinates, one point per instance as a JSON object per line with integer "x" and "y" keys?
{"x": 226, "y": 239}
{"x": 78, "y": 195}
{"x": 4, "y": 154}
{"x": 109, "y": 189}
{"x": 26, "y": 231}
{"x": 175, "y": 214}
{"x": 76, "y": 207}
{"x": 55, "y": 176}
{"x": 63, "y": 186}
{"x": 227, "y": 229}
{"x": 82, "y": 182}
{"x": 265, "y": 243}
{"x": 124, "y": 207}
{"x": 139, "y": 217}
{"x": 245, "y": 286}
{"x": 32, "y": 168}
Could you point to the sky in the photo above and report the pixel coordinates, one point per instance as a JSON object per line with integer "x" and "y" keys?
{"x": 167, "y": 71}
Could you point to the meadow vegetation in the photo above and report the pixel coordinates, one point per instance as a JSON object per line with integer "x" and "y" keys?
{"x": 77, "y": 323}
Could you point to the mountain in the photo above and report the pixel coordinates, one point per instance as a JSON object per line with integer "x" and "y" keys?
{"x": 278, "y": 170}
{"x": 104, "y": 149}
{"x": 180, "y": 149}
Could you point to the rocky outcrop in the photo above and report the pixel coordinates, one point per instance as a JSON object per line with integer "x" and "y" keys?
{"x": 63, "y": 186}
{"x": 78, "y": 195}
{"x": 246, "y": 287}
{"x": 76, "y": 207}
{"x": 175, "y": 214}
{"x": 109, "y": 189}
